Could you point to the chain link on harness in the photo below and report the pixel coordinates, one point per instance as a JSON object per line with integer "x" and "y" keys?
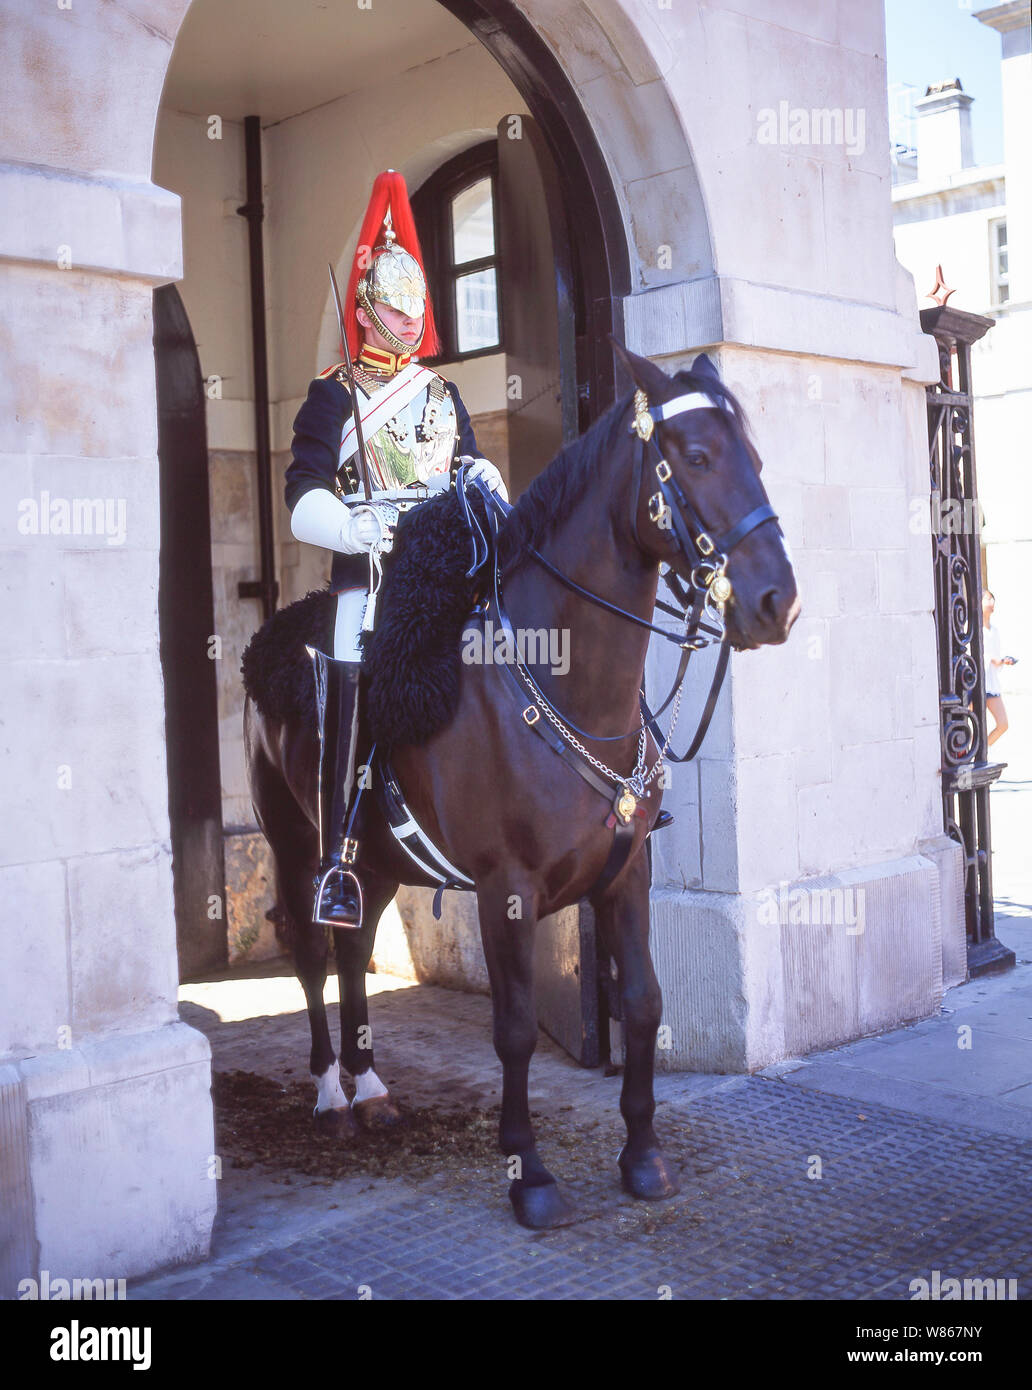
{"x": 637, "y": 781}
{"x": 640, "y": 778}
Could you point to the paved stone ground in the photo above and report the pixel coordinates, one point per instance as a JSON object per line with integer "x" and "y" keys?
{"x": 900, "y": 1196}
{"x": 925, "y": 1152}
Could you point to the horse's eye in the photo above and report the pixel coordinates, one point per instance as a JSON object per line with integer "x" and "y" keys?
{"x": 697, "y": 458}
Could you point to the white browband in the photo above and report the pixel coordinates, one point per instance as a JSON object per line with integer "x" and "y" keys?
{"x": 694, "y": 400}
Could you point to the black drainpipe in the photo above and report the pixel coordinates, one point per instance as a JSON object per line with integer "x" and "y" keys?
{"x": 266, "y": 587}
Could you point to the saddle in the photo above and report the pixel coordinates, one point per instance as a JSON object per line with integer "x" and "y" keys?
{"x": 432, "y": 582}
{"x": 413, "y": 659}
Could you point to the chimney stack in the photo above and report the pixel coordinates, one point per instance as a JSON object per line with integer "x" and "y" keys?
{"x": 943, "y": 132}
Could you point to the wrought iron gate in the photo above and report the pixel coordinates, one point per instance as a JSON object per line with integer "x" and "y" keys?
{"x": 956, "y": 550}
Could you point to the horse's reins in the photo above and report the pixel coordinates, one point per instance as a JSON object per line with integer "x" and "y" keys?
{"x": 709, "y": 587}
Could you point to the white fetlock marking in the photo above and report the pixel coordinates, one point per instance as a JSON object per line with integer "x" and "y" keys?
{"x": 368, "y": 1086}
{"x": 331, "y": 1094}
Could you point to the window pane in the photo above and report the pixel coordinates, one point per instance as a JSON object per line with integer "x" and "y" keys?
{"x": 999, "y": 261}
{"x": 473, "y": 223}
{"x": 476, "y": 310}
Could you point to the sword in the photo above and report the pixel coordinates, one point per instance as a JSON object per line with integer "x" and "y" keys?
{"x": 362, "y": 466}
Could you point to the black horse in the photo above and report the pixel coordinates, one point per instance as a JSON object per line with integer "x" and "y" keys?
{"x": 496, "y": 800}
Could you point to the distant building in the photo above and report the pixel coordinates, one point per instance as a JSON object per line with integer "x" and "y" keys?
{"x": 976, "y": 222}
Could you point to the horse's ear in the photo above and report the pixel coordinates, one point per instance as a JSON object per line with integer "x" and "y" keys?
{"x": 702, "y": 366}
{"x": 645, "y": 374}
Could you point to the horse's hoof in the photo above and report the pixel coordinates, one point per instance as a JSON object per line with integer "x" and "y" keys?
{"x": 378, "y": 1112}
{"x": 648, "y": 1177}
{"x": 540, "y": 1208}
{"x": 336, "y": 1124}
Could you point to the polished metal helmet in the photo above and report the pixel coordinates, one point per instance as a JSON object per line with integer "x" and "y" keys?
{"x": 393, "y": 277}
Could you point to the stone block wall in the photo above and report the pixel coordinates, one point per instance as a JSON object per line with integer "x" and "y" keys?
{"x": 100, "y": 1082}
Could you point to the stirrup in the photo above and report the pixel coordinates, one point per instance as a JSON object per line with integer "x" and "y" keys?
{"x": 324, "y": 889}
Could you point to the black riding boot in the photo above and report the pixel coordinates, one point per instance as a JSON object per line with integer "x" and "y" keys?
{"x": 338, "y": 893}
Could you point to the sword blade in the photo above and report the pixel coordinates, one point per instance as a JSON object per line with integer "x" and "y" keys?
{"x": 350, "y": 372}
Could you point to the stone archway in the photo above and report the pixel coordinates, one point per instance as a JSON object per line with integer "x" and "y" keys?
{"x": 605, "y": 72}
{"x": 89, "y": 238}
{"x": 307, "y": 165}
{"x": 595, "y": 79}
{"x": 599, "y": 186}
{"x": 784, "y": 255}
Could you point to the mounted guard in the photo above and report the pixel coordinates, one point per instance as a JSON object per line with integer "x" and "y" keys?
{"x": 378, "y": 434}
{"x": 540, "y": 794}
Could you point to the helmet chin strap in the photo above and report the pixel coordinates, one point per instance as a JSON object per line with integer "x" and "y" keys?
{"x": 391, "y": 339}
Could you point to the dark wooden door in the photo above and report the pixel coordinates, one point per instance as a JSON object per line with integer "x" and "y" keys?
{"x": 187, "y": 625}
{"x": 539, "y": 301}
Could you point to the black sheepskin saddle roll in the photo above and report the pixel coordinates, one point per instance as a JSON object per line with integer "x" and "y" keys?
{"x": 413, "y": 661}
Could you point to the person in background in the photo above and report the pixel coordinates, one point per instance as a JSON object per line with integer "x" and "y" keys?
{"x": 994, "y": 661}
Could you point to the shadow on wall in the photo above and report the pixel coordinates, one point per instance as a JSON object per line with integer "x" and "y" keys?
{"x": 412, "y": 945}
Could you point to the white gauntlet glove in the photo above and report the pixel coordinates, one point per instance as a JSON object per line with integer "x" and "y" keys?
{"x": 482, "y": 468}
{"x": 367, "y": 527}
{"x": 320, "y": 518}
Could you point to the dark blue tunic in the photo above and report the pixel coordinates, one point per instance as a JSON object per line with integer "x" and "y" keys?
{"x": 316, "y": 447}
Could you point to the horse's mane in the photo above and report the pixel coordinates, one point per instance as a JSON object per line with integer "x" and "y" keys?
{"x": 553, "y": 494}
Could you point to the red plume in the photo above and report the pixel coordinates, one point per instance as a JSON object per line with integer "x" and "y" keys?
{"x": 389, "y": 191}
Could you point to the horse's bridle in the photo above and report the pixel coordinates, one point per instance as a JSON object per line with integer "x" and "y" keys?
{"x": 670, "y": 509}
{"x": 707, "y": 591}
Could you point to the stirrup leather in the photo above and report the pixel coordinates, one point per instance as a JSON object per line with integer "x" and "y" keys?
{"x": 338, "y": 892}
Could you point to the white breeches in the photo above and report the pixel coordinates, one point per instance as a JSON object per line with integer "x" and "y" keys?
{"x": 351, "y": 605}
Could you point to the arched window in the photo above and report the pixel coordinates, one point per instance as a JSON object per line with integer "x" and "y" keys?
{"x": 456, "y": 213}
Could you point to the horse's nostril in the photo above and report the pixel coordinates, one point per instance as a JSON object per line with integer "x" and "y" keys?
{"x": 779, "y": 609}
{"x": 770, "y": 605}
